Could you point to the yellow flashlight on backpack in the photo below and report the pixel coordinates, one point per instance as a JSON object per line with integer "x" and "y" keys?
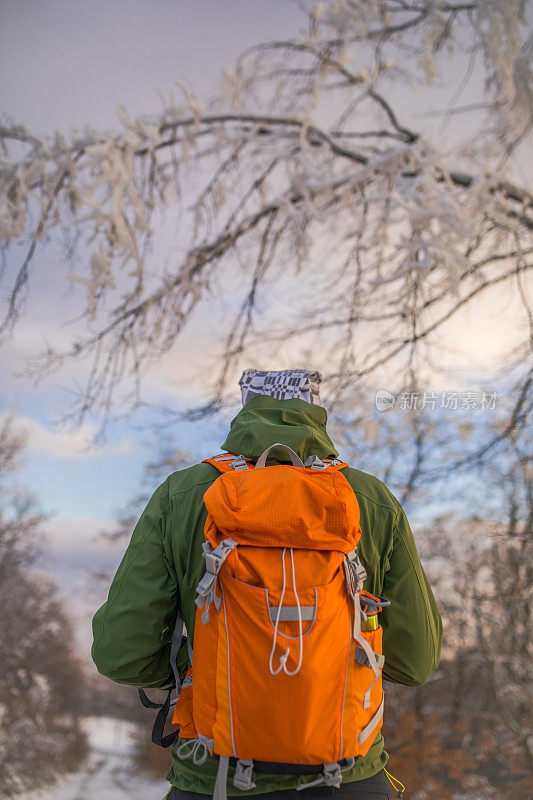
{"x": 371, "y": 623}
{"x": 371, "y": 605}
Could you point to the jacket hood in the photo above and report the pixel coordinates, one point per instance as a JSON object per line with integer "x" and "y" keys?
{"x": 265, "y": 420}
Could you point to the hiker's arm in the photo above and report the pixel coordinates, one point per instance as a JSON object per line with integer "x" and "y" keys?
{"x": 412, "y": 625}
{"x": 142, "y": 602}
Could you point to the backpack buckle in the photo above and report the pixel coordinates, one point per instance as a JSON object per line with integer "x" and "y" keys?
{"x": 213, "y": 562}
{"x": 315, "y": 463}
{"x": 355, "y": 574}
{"x": 244, "y": 775}
{"x": 239, "y": 463}
{"x": 214, "y": 558}
{"x": 332, "y": 774}
{"x": 207, "y": 588}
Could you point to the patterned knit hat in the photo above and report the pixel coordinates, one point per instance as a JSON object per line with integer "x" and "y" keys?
{"x": 285, "y": 384}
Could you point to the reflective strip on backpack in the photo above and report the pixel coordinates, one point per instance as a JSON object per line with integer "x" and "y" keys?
{"x": 290, "y": 613}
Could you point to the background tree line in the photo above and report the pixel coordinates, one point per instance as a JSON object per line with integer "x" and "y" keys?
{"x": 41, "y": 675}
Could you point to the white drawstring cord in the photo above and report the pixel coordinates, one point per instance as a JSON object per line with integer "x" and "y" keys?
{"x": 300, "y": 626}
{"x": 197, "y": 749}
{"x": 285, "y": 656}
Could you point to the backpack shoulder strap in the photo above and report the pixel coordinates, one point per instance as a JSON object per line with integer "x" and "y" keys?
{"x": 228, "y": 462}
{"x": 336, "y": 463}
{"x": 314, "y": 462}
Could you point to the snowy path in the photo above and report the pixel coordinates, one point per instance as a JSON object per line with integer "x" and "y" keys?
{"x": 107, "y": 773}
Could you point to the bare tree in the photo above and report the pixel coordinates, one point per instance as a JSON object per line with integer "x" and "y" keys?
{"x": 301, "y": 174}
{"x": 467, "y": 732}
{"x": 40, "y": 736}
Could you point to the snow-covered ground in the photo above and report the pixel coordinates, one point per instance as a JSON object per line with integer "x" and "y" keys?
{"x": 107, "y": 773}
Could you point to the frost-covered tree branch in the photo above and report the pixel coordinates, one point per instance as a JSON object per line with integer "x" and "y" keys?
{"x": 305, "y": 176}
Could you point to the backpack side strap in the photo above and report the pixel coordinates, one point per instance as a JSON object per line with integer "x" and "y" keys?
{"x": 164, "y": 708}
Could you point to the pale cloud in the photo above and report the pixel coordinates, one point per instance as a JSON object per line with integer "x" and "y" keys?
{"x": 80, "y": 536}
{"x": 81, "y": 562}
{"x": 67, "y": 444}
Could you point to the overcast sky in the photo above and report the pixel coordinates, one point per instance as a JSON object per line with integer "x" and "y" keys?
{"x": 67, "y": 63}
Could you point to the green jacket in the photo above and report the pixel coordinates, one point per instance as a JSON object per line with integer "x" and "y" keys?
{"x": 163, "y": 564}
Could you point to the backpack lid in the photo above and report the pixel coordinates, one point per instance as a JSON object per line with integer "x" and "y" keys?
{"x": 283, "y": 506}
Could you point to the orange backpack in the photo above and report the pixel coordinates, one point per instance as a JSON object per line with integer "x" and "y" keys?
{"x": 285, "y": 679}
